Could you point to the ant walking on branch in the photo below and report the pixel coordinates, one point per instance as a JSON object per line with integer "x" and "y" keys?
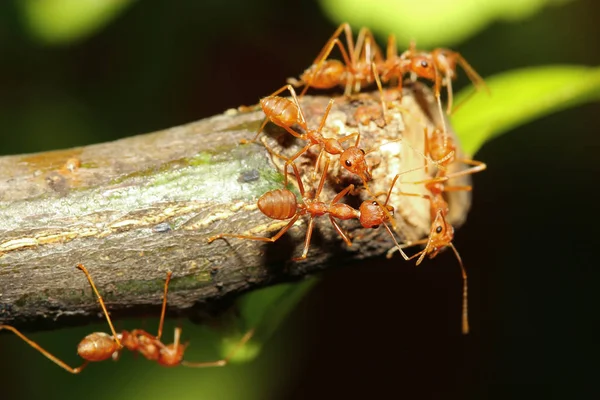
{"x": 100, "y": 346}
{"x": 287, "y": 113}
{"x": 358, "y": 70}
{"x": 281, "y": 204}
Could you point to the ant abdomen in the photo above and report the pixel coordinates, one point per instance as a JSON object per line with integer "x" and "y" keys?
{"x": 97, "y": 346}
{"x": 327, "y": 76}
{"x": 280, "y": 111}
{"x": 278, "y": 204}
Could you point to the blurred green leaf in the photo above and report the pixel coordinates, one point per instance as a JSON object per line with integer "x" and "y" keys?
{"x": 520, "y": 96}
{"x": 65, "y": 21}
{"x": 430, "y": 22}
{"x": 265, "y": 310}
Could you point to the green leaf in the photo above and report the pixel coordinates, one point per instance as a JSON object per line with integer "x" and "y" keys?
{"x": 65, "y": 21}
{"x": 520, "y": 96}
{"x": 430, "y": 22}
{"x": 265, "y": 310}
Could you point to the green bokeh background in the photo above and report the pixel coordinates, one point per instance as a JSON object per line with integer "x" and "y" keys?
{"x": 381, "y": 330}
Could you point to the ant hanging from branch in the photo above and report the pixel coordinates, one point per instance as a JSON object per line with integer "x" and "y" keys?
{"x": 100, "y": 346}
{"x": 281, "y": 204}
{"x": 441, "y": 233}
{"x": 441, "y": 149}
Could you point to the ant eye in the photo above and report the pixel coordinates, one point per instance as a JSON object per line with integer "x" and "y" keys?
{"x": 363, "y": 151}
{"x": 438, "y": 229}
{"x": 348, "y": 163}
{"x": 374, "y": 203}
{"x": 424, "y": 64}
{"x": 375, "y": 227}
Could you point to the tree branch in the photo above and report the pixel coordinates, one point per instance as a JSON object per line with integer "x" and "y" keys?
{"x": 140, "y": 206}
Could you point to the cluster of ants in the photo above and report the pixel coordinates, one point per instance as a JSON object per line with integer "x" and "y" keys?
{"x": 363, "y": 65}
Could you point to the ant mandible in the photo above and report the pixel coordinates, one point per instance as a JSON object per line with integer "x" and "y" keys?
{"x": 100, "y": 346}
{"x": 281, "y": 204}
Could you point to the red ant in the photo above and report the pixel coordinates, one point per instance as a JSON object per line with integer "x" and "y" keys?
{"x": 441, "y": 233}
{"x": 281, "y": 204}
{"x": 439, "y": 66}
{"x": 441, "y": 149}
{"x": 359, "y": 68}
{"x": 100, "y": 346}
{"x": 286, "y": 113}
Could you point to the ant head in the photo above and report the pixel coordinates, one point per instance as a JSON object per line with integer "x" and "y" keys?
{"x": 353, "y": 159}
{"x": 423, "y": 66}
{"x": 441, "y": 233}
{"x": 97, "y": 346}
{"x": 372, "y": 213}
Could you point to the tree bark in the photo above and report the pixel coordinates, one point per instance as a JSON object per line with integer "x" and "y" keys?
{"x": 143, "y": 205}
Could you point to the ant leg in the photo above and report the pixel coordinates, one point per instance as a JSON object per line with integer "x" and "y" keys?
{"x": 391, "y": 251}
{"x": 348, "y": 137}
{"x": 51, "y": 357}
{"x": 319, "y": 61}
{"x": 164, "y": 306}
{"x": 112, "y": 328}
{"x": 340, "y": 231}
{"x": 392, "y": 48}
{"x": 472, "y": 74}
{"x": 260, "y": 238}
{"x": 262, "y": 126}
{"x": 477, "y": 80}
{"x": 450, "y": 93}
{"x": 397, "y": 246}
{"x": 325, "y": 115}
{"x": 288, "y": 160}
{"x": 290, "y": 88}
{"x": 380, "y": 88}
{"x": 477, "y": 166}
{"x": 341, "y": 194}
{"x": 462, "y": 102}
{"x": 322, "y": 181}
{"x": 324, "y": 53}
{"x": 224, "y": 361}
{"x": 307, "y": 238}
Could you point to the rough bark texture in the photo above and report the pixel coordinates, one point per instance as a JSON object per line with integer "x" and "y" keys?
{"x": 140, "y": 206}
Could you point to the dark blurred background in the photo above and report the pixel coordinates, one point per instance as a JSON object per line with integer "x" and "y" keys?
{"x": 382, "y": 330}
